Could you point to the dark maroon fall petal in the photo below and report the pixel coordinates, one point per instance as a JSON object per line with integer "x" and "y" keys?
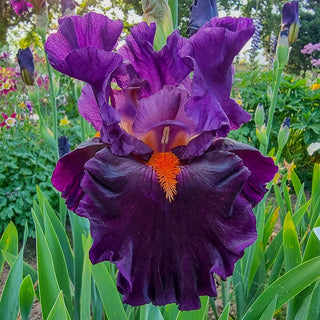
{"x": 69, "y": 171}
{"x": 262, "y": 168}
{"x": 167, "y": 251}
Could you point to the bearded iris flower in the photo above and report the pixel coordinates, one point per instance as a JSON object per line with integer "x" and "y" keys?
{"x": 169, "y": 199}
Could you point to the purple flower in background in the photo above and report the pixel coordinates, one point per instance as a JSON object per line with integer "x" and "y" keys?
{"x": 308, "y": 49}
{"x": 20, "y": 6}
{"x": 290, "y": 20}
{"x": 169, "y": 199}
{"x": 26, "y": 63}
{"x": 29, "y": 106}
{"x": 68, "y": 7}
{"x": 64, "y": 146}
{"x": 255, "y": 43}
{"x": 201, "y": 11}
{"x": 315, "y": 62}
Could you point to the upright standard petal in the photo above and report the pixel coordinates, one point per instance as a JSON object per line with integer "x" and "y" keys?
{"x": 81, "y": 47}
{"x": 158, "y": 68}
{"x": 211, "y": 107}
{"x": 167, "y": 251}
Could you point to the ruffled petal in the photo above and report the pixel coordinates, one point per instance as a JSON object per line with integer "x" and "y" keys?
{"x": 262, "y": 168}
{"x": 81, "y": 47}
{"x": 69, "y": 171}
{"x": 122, "y": 143}
{"x": 211, "y": 106}
{"x": 158, "y": 68}
{"x": 89, "y": 64}
{"x": 167, "y": 251}
{"x": 76, "y": 32}
{"x": 126, "y": 103}
{"x": 88, "y": 107}
{"x": 196, "y": 147}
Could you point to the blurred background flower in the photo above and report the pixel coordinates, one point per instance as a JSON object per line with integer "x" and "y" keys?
{"x": 9, "y": 121}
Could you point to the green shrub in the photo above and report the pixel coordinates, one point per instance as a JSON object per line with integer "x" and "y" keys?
{"x": 26, "y": 164}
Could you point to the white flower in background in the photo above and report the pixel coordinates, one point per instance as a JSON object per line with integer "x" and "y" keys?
{"x": 34, "y": 117}
{"x": 313, "y": 147}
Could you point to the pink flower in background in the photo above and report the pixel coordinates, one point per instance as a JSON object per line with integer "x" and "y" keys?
{"x": 315, "y": 62}
{"x": 9, "y": 121}
{"x": 4, "y": 55}
{"x": 43, "y": 81}
{"x": 308, "y": 49}
{"x": 316, "y": 46}
{"x": 7, "y": 80}
{"x": 20, "y": 6}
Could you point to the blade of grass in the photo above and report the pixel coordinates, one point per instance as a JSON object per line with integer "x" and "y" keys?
{"x": 269, "y": 311}
{"x": 108, "y": 292}
{"x": 60, "y": 231}
{"x": 286, "y": 287}
{"x": 48, "y": 283}
{"x": 8, "y": 242}
{"x": 225, "y": 313}
{"x": 150, "y": 311}
{"x": 9, "y": 303}
{"x": 59, "y": 261}
{"x": 26, "y": 297}
{"x": 86, "y": 281}
{"x": 59, "y": 310}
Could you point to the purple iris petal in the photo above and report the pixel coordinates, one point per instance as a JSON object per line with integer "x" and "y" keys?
{"x": 158, "y": 68}
{"x": 88, "y": 107}
{"x": 87, "y": 64}
{"x": 201, "y": 12}
{"x": 167, "y": 252}
{"x": 290, "y": 14}
{"x": 91, "y": 30}
{"x": 81, "y": 47}
{"x": 196, "y": 147}
{"x": 69, "y": 171}
{"x": 262, "y": 168}
{"x": 211, "y": 107}
{"x": 26, "y": 64}
{"x": 126, "y": 103}
{"x": 123, "y": 143}
{"x": 163, "y": 109}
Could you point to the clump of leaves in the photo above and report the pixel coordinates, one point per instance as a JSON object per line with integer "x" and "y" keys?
{"x": 296, "y": 100}
{"x": 27, "y": 163}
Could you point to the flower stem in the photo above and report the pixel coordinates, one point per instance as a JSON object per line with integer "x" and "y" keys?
{"x": 173, "y": 4}
{"x": 53, "y": 107}
{"x": 264, "y": 148}
{"x": 83, "y": 126}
